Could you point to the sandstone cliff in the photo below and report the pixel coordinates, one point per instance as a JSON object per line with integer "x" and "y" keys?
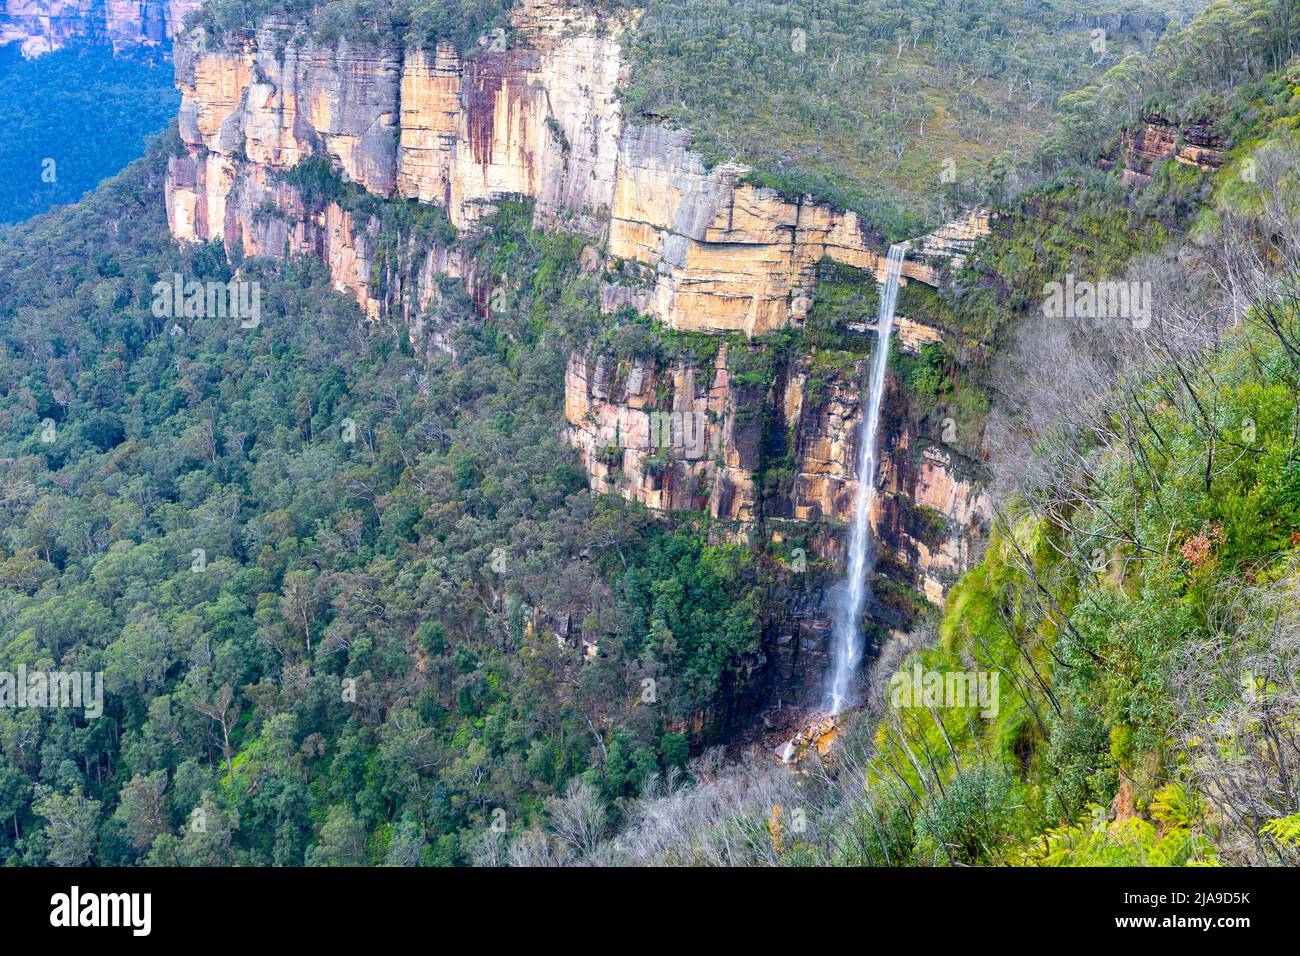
{"x": 776, "y": 463}
{"x": 700, "y": 249}
{"x": 1157, "y": 140}
{"x": 697, "y": 248}
{"x": 683, "y": 436}
{"x": 715, "y": 253}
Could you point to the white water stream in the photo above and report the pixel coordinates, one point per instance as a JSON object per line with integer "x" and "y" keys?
{"x": 851, "y": 594}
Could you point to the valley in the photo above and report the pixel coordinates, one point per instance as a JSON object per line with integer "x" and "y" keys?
{"x": 535, "y": 493}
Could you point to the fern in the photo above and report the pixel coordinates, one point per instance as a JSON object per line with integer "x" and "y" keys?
{"x": 1285, "y": 830}
{"x": 1176, "y": 806}
{"x": 1131, "y": 842}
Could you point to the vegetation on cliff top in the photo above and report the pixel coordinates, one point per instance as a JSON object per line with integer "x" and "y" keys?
{"x": 468, "y": 25}
{"x": 899, "y": 109}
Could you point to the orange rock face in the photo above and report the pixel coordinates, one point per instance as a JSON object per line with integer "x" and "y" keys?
{"x": 1159, "y": 140}
{"x": 612, "y": 408}
{"x": 539, "y": 119}
{"x": 724, "y": 255}
{"x": 670, "y": 437}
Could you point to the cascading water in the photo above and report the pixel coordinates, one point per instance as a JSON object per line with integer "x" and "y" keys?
{"x": 851, "y": 595}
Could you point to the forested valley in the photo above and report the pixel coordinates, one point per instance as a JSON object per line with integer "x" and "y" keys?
{"x": 355, "y": 601}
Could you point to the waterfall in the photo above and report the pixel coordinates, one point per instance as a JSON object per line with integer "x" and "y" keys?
{"x": 851, "y": 593}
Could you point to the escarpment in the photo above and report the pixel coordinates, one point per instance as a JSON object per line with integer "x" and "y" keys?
{"x": 279, "y": 129}
{"x": 770, "y": 453}
{"x": 41, "y": 26}
{"x": 699, "y": 249}
{"x": 1157, "y": 139}
{"x": 706, "y": 251}
{"x": 776, "y": 451}
{"x": 539, "y": 121}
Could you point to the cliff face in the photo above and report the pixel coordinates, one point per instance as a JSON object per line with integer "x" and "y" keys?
{"x": 687, "y": 436}
{"x": 709, "y": 252}
{"x": 45, "y": 25}
{"x": 778, "y": 462}
{"x": 675, "y": 437}
{"x": 538, "y": 121}
{"x": 1158, "y": 140}
{"x": 700, "y": 249}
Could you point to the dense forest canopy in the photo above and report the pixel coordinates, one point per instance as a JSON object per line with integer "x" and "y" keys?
{"x": 896, "y": 108}
{"x": 305, "y": 561}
